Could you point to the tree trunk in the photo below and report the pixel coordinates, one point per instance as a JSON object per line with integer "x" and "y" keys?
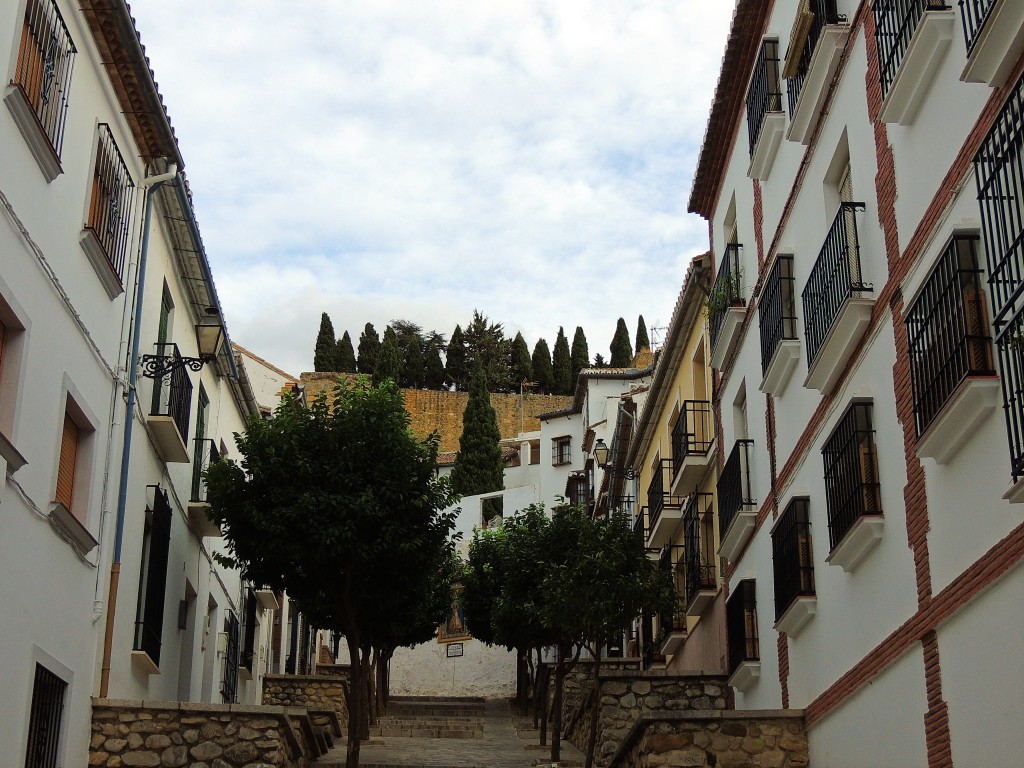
{"x": 595, "y": 707}
{"x": 366, "y": 672}
{"x": 355, "y": 703}
{"x": 542, "y": 699}
{"x": 371, "y": 681}
{"x": 556, "y": 707}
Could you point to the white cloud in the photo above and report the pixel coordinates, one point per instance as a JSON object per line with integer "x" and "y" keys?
{"x": 422, "y": 159}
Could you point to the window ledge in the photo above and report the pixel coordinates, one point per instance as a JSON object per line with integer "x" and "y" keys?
{"x": 672, "y": 643}
{"x": 101, "y": 264}
{"x": 168, "y": 440}
{"x": 740, "y": 530}
{"x": 795, "y": 617}
{"x": 974, "y": 400}
{"x": 10, "y": 456}
{"x": 267, "y": 599}
{"x": 65, "y": 521}
{"x": 920, "y": 64}
{"x": 244, "y": 674}
{"x": 36, "y": 138}
{"x": 746, "y": 674}
{"x": 700, "y": 601}
{"x": 201, "y": 524}
{"x": 840, "y": 341}
{"x": 144, "y": 664}
{"x": 862, "y": 537}
{"x": 727, "y": 335}
{"x": 763, "y": 158}
{"x": 784, "y": 360}
{"x": 823, "y": 66}
{"x": 997, "y": 46}
{"x": 691, "y": 470}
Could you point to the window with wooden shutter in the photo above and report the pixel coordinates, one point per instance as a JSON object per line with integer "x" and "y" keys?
{"x": 68, "y": 463}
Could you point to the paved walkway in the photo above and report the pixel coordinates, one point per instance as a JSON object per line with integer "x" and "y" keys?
{"x": 502, "y": 746}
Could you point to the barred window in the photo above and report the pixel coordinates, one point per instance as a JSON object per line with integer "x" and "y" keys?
{"x": 110, "y": 202}
{"x": 561, "y": 451}
{"x": 851, "y": 472}
{"x": 44, "y": 719}
{"x": 792, "y": 563}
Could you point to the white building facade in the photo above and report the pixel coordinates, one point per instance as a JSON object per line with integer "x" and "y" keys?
{"x": 860, "y": 173}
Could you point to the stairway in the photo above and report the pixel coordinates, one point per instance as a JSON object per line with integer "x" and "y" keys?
{"x": 432, "y": 717}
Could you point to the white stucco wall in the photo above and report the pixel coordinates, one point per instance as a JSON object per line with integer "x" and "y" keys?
{"x": 426, "y": 670}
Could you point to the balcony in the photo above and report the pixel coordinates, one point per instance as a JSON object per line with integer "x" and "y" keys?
{"x": 765, "y": 120}
{"x": 913, "y": 37}
{"x": 951, "y": 365}
{"x": 736, "y": 503}
{"x": 692, "y": 437}
{"x": 776, "y": 307}
{"x": 835, "y": 314}
{"x": 793, "y": 568}
{"x": 726, "y": 306}
{"x": 664, "y": 510}
{"x": 672, "y": 625}
{"x": 172, "y": 403}
{"x": 852, "y": 489}
{"x": 742, "y": 637}
{"x": 815, "y": 50}
{"x": 38, "y": 95}
{"x": 206, "y": 453}
{"x": 640, "y": 523}
{"x": 699, "y": 544}
{"x": 994, "y": 31}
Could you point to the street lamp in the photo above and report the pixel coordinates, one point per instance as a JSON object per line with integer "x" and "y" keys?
{"x": 601, "y": 453}
{"x": 209, "y": 338}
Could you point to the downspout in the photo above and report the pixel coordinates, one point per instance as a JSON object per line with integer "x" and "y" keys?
{"x": 152, "y": 184}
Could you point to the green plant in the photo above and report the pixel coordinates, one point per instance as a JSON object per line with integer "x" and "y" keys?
{"x": 723, "y": 294}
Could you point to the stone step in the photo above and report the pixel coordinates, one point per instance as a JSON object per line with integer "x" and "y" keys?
{"x": 427, "y": 733}
{"x": 431, "y": 722}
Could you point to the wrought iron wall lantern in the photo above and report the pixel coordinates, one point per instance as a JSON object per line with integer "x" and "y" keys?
{"x": 209, "y": 337}
{"x": 601, "y": 453}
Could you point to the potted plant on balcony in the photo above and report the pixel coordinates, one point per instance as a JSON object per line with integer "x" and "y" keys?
{"x": 724, "y": 295}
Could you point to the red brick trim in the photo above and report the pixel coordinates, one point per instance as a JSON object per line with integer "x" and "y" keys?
{"x": 784, "y": 668}
{"x": 936, "y": 719}
{"x": 773, "y": 467}
{"x": 993, "y": 565}
{"x": 759, "y": 228}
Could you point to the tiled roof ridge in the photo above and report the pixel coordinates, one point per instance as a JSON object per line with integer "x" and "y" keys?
{"x": 239, "y": 348}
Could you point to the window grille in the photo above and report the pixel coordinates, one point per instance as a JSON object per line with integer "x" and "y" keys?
{"x": 734, "y": 486}
{"x": 852, "y": 489}
{"x": 764, "y": 94}
{"x": 741, "y": 624}
{"x": 45, "y": 719}
{"x": 153, "y": 578}
{"x": 692, "y": 432}
{"x": 975, "y": 14}
{"x": 110, "y": 203}
{"x": 698, "y": 544}
{"x": 727, "y": 290}
{"x": 777, "y": 309}
{"x": 895, "y": 24}
{"x": 821, "y": 12}
{"x": 792, "y": 563}
{"x": 229, "y": 683}
{"x": 561, "y": 451}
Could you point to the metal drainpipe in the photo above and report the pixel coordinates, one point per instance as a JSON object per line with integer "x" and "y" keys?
{"x": 153, "y": 183}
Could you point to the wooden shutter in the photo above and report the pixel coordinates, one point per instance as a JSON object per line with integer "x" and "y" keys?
{"x": 798, "y": 39}
{"x": 869, "y": 478}
{"x": 30, "y": 59}
{"x": 979, "y": 357}
{"x": 68, "y": 462}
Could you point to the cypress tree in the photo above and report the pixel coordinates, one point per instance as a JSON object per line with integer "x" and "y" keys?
{"x": 413, "y": 364}
{"x": 325, "y": 354}
{"x": 522, "y": 369}
{"x": 345, "y": 355}
{"x": 642, "y": 342}
{"x": 389, "y": 359}
{"x": 478, "y": 466}
{"x": 561, "y": 383}
{"x": 541, "y": 365}
{"x": 621, "y": 349}
{"x": 433, "y": 368}
{"x": 369, "y": 347}
{"x": 599, "y": 361}
{"x": 580, "y": 354}
{"x": 457, "y": 366}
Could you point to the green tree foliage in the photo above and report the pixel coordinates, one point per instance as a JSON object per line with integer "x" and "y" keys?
{"x": 325, "y": 354}
{"x": 478, "y": 466}
{"x": 486, "y": 344}
{"x": 599, "y": 361}
{"x": 543, "y": 373}
{"x": 561, "y": 381}
{"x": 433, "y": 368}
{"x": 306, "y": 511}
{"x": 621, "y": 349}
{"x": 522, "y": 368}
{"x": 457, "y": 365}
{"x": 413, "y": 365}
{"x": 389, "y": 359}
{"x": 369, "y": 347}
{"x": 580, "y": 354}
{"x": 345, "y": 356}
{"x": 642, "y": 342}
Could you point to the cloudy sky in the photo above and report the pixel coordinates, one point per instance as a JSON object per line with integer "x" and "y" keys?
{"x": 418, "y": 159}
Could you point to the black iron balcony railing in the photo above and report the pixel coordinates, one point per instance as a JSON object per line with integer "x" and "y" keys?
{"x": 727, "y": 290}
{"x": 895, "y": 23}
{"x": 698, "y": 545}
{"x": 692, "y": 432}
{"x": 741, "y": 624}
{"x": 206, "y": 453}
{"x": 175, "y": 391}
{"x": 734, "y": 486}
{"x": 149, "y": 620}
{"x": 947, "y": 330}
{"x": 229, "y": 683}
{"x": 624, "y": 504}
{"x": 777, "y": 308}
{"x": 824, "y": 12}
{"x": 1011, "y": 365}
{"x": 110, "y": 205}
{"x": 852, "y": 489}
{"x": 658, "y": 494}
{"x": 975, "y": 14}
{"x": 640, "y": 523}
{"x": 764, "y": 94}
{"x": 792, "y": 563}
{"x": 836, "y": 276}
{"x": 43, "y": 74}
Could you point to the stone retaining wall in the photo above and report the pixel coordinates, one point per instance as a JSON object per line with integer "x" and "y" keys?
{"x": 734, "y": 739}
{"x": 170, "y": 734}
{"x": 310, "y": 691}
{"x": 626, "y": 696}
